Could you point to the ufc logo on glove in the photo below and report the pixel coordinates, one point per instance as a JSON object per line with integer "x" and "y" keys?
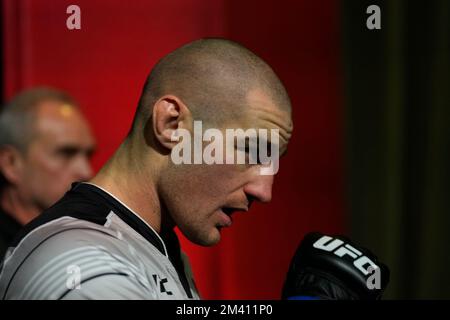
{"x": 333, "y": 267}
{"x": 340, "y": 249}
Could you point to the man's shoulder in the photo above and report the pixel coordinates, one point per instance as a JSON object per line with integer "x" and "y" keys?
{"x": 63, "y": 239}
{"x": 106, "y": 262}
{"x": 51, "y": 254}
{"x": 43, "y": 263}
{"x": 76, "y": 204}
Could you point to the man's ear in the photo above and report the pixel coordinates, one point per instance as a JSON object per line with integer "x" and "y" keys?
{"x": 169, "y": 114}
{"x": 11, "y": 164}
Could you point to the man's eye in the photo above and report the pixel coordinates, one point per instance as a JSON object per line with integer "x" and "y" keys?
{"x": 67, "y": 152}
{"x": 253, "y": 154}
{"x": 253, "y": 151}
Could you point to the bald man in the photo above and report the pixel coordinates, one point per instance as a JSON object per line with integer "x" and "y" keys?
{"x": 45, "y": 145}
{"x": 113, "y": 238}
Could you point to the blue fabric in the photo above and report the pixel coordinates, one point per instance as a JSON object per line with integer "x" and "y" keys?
{"x": 303, "y": 298}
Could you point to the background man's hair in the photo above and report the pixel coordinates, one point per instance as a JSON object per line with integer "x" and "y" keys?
{"x": 17, "y": 117}
{"x": 212, "y": 77}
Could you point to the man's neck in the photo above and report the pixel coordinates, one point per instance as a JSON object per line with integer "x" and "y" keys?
{"x": 13, "y": 204}
{"x": 124, "y": 178}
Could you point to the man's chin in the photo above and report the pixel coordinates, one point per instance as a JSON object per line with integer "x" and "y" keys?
{"x": 208, "y": 240}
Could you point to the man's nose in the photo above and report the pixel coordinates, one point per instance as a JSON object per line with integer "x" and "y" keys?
{"x": 260, "y": 188}
{"x": 83, "y": 169}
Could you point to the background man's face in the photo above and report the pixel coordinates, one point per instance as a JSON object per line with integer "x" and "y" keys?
{"x": 200, "y": 198}
{"x": 57, "y": 155}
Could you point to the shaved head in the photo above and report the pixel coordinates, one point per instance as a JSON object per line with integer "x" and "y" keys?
{"x": 212, "y": 77}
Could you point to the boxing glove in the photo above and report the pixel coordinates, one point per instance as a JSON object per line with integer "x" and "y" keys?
{"x": 334, "y": 268}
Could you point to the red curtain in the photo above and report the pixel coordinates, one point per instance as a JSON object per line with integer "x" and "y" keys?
{"x": 105, "y": 64}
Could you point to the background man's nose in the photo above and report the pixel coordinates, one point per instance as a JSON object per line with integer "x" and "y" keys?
{"x": 83, "y": 170}
{"x": 260, "y": 188}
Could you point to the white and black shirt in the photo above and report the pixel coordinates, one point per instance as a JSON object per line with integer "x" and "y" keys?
{"x": 89, "y": 245}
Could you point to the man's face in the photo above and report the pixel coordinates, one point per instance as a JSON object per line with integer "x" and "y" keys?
{"x": 200, "y": 198}
{"x": 57, "y": 155}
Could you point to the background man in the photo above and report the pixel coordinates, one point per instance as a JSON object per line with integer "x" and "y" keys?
{"x": 45, "y": 145}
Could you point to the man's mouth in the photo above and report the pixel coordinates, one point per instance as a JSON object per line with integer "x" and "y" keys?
{"x": 228, "y": 211}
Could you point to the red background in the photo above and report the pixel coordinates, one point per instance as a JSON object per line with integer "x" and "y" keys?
{"x": 104, "y": 66}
